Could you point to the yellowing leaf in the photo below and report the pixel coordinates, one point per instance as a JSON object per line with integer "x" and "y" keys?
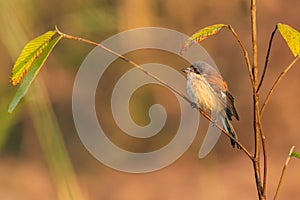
{"x": 202, "y": 34}
{"x": 32, "y": 73}
{"x": 291, "y": 36}
{"x": 29, "y": 54}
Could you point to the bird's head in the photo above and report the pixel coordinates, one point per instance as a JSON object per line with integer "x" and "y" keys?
{"x": 201, "y": 68}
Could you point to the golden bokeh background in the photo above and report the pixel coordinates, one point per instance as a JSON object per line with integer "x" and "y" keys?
{"x": 27, "y": 170}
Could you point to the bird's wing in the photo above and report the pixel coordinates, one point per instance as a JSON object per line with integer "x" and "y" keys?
{"x": 220, "y": 89}
{"x": 230, "y": 109}
{"x": 218, "y": 85}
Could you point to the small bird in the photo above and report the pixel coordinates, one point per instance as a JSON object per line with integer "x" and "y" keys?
{"x": 209, "y": 91}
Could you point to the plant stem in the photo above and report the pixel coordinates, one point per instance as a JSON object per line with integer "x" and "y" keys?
{"x": 283, "y": 171}
{"x": 282, "y": 74}
{"x": 245, "y": 53}
{"x": 267, "y": 59}
{"x": 254, "y": 39}
{"x": 256, "y": 118}
{"x": 264, "y": 150}
{"x": 203, "y": 113}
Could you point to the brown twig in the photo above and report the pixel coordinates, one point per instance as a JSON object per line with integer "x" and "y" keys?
{"x": 282, "y": 74}
{"x": 256, "y": 115}
{"x": 259, "y": 137}
{"x": 264, "y": 150}
{"x": 283, "y": 171}
{"x": 121, "y": 57}
{"x": 246, "y": 56}
{"x": 267, "y": 59}
{"x": 254, "y": 39}
{"x": 155, "y": 78}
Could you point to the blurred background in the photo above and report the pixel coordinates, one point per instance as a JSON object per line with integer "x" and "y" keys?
{"x": 41, "y": 156}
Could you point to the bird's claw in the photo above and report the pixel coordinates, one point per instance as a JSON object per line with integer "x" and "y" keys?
{"x": 194, "y": 105}
{"x": 213, "y": 121}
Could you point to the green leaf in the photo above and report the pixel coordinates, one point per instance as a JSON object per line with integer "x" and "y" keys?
{"x": 29, "y": 54}
{"x": 202, "y": 34}
{"x": 295, "y": 154}
{"x": 32, "y": 73}
{"x": 291, "y": 36}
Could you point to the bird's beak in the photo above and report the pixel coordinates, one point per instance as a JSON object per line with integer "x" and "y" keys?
{"x": 185, "y": 70}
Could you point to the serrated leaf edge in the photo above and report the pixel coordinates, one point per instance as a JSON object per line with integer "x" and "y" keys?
{"x": 22, "y": 65}
{"x": 197, "y": 37}
{"x": 22, "y": 90}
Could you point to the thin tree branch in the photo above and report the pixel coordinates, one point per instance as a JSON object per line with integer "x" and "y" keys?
{"x": 283, "y": 171}
{"x": 282, "y": 74}
{"x": 254, "y": 39}
{"x": 267, "y": 59}
{"x": 155, "y": 78}
{"x": 121, "y": 57}
{"x": 259, "y": 167}
{"x": 257, "y": 177}
{"x": 264, "y": 150}
{"x": 256, "y": 161}
{"x": 246, "y": 56}
{"x": 256, "y": 118}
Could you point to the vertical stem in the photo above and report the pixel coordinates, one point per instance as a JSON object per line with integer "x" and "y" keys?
{"x": 264, "y": 150}
{"x": 256, "y": 118}
{"x": 254, "y": 74}
{"x": 254, "y": 39}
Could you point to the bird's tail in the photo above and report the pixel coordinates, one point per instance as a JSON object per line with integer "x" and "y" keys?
{"x": 229, "y": 128}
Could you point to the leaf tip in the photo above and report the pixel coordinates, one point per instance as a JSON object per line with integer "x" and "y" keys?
{"x": 11, "y": 108}
{"x": 14, "y": 81}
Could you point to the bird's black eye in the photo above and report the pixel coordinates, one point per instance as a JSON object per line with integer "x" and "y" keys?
{"x": 196, "y": 70}
{"x": 192, "y": 68}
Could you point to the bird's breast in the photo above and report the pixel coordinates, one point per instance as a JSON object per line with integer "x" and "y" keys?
{"x": 202, "y": 94}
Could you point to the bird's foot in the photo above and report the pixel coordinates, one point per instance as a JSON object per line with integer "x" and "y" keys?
{"x": 213, "y": 121}
{"x": 194, "y": 105}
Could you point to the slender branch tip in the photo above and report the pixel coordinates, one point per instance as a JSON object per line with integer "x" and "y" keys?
{"x": 59, "y": 32}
